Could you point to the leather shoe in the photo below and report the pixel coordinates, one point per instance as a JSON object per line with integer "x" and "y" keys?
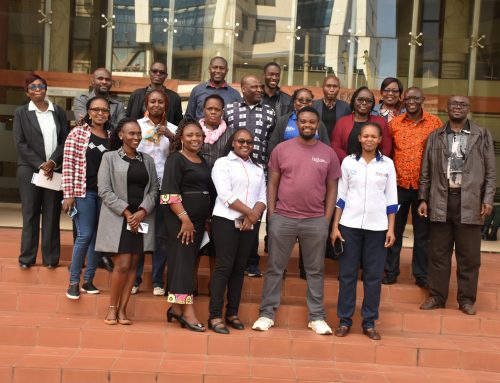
{"x": 219, "y": 327}
{"x": 24, "y": 266}
{"x": 342, "y": 331}
{"x": 235, "y": 322}
{"x": 106, "y": 263}
{"x": 468, "y": 309}
{"x": 431, "y": 303}
{"x": 372, "y": 333}
{"x": 422, "y": 283}
{"x": 51, "y": 266}
{"x": 389, "y": 280}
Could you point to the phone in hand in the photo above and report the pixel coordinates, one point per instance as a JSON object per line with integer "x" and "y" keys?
{"x": 338, "y": 247}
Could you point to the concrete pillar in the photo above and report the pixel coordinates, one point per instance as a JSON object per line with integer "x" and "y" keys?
{"x": 60, "y": 36}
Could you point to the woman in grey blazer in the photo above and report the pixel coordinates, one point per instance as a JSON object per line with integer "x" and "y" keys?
{"x": 128, "y": 186}
{"x": 40, "y": 129}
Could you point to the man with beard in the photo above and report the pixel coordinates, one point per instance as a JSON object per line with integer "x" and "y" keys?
{"x": 101, "y": 86}
{"x": 302, "y": 189}
{"x": 331, "y": 109}
{"x": 457, "y": 188}
{"x": 157, "y": 74}
{"x": 273, "y": 96}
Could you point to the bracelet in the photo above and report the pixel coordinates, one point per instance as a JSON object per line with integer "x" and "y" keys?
{"x": 181, "y": 214}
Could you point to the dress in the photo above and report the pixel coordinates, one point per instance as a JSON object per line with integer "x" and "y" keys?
{"x": 137, "y": 180}
{"x": 187, "y": 182}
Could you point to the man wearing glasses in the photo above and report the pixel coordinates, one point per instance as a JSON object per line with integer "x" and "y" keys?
{"x": 157, "y": 74}
{"x": 101, "y": 86}
{"x": 457, "y": 188}
{"x": 409, "y": 134}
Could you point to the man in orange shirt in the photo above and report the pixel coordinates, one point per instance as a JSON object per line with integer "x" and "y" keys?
{"x": 409, "y": 133}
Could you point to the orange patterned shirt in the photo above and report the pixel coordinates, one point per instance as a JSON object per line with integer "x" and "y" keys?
{"x": 409, "y": 139}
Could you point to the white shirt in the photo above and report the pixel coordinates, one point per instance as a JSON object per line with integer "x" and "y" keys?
{"x": 237, "y": 179}
{"x": 158, "y": 150}
{"x": 367, "y": 193}
{"x": 47, "y": 126}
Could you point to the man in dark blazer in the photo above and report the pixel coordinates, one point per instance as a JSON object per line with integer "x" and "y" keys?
{"x": 157, "y": 74}
{"x": 40, "y": 129}
{"x": 330, "y": 109}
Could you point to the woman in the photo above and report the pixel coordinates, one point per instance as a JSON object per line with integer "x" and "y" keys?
{"x": 83, "y": 152}
{"x": 185, "y": 190}
{"x": 241, "y": 200}
{"x": 286, "y": 125}
{"x": 128, "y": 186}
{"x": 345, "y": 135}
{"x": 364, "y": 223}
{"x": 40, "y": 128}
{"x": 156, "y": 135}
{"x": 217, "y": 135}
{"x": 390, "y": 104}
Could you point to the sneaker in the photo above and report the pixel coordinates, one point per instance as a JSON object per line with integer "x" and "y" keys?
{"x": 158, "y": 291}
{"x": 320, "y": 327}
{"x": 89, "y": 288}
{"x": 253, "y": 271}
{"x": 135, "y": 290}
{"x": 263, "y": 324}
{"x": 73, "y": 291}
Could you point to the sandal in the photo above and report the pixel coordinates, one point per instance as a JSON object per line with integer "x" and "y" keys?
{"x": 235, "y": 322}
{"x": 111, "y": 321}
{"x": 219, "y": 327}
{"x": 124, "y": 321}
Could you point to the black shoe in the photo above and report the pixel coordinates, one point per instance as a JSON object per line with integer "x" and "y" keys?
{"x": 171, "y": 315}
{"x": 89, "y": 288}
{"x": 197, "y": 327}
{"x": 389, "y": 280}
{"x": 235, "y": 322}
{"x": 51, "y": 265}
{"x": 431, "y": 303}
{"x": 468, "y": 309}
{"x": 422, "y": 283}
{"x": 106, "y": 263}
{"x": 302, "y": 274}
{"x": 219, "y": 327}
{"x": 73, "y": 291}
{"x": 24, "y": 266}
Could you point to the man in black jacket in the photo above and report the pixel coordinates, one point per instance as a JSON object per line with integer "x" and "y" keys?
{"x": 273, "y": 96}
{"x": 158, "y": 75}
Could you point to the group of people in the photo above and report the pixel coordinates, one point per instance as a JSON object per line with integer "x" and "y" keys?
{"x": 335, "y": 177}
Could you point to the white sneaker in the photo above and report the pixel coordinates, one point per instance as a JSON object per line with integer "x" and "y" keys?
{"x": 135, "y": 290}
{"x": 158, "y": 291}
{"x": 263, "y": 324}
{"x": 320, "y": 327}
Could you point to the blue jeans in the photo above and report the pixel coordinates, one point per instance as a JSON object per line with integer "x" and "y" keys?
{"x": 159, "y": 255}
{"x": 86, "y": 231}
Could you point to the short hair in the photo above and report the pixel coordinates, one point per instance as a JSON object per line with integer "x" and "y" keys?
{"x": 390, "y": 80}
{"x": 297, "y": 91}
{"x": 32, "y": 77}
{"x": 307, "y": 109}
{"x": 218, "y": 58}
{"x": 272, "y": 63}
{"x": 214, "y": 97}
{"x": 358, "y": 91}
{"x": 114, "y": 141}
{"x": 329, "y": 77}
{"x": 101, "y": 68}
{"x": 158, "y": 62}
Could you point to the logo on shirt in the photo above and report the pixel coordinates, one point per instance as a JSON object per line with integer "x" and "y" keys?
{"x": 289, "y": 129}
{"x": 380, "y": 174}
{"x": 319, "y": 160}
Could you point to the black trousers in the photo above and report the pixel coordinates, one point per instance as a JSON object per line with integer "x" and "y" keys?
{"x": 36, "y": 201}
{"x": 408, "y": 199}
{"x": 233, "y": 248}
{"x": 467, "y": 241}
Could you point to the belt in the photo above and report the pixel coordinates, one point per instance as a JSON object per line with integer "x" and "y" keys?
{"x": 454, "y": 190}
{"x": 196, "y": 192}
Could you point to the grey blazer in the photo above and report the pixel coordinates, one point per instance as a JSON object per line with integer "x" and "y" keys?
{"x": 112, "y": 186}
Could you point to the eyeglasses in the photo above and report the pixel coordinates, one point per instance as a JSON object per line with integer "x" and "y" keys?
{"x": 456, "y": 104}
{"x": 158, "y": 71}
{"x": 304, "y": 100}
{"x": 34, "y": 87}
{"x": 388, "y": 90}
{"x": 99, "y": 110}
{"x": 242, "y": 141}
{"x": 412, "y": 99}
{"x": 364, "y": 100}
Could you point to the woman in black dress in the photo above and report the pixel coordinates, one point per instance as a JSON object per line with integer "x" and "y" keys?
{"x": 185, "y": 190}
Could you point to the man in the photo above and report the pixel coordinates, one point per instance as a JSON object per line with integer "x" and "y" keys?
{"x": 101, "y": 86}
{"x": 273, "y": 96}
{"x": 260, "y": 119}
{"x": 157, "y": 74}
{"x": 409, "y": 135}
{"x": 329, "y": 108}
{"x": 457, "y": 188}
{"x": 217, "y": 84}
{"x": 301, "y": 194}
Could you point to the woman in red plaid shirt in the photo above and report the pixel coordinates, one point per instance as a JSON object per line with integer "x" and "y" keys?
{"x": 83, "y": 152}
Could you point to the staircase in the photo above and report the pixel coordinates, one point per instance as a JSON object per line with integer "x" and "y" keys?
{"x": 46, "y": 338}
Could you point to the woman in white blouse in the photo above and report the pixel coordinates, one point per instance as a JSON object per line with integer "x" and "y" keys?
{"x": 364, "y": 224}
{"x": 241, "y": 200}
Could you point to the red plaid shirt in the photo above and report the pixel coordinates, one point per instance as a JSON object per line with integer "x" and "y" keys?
{"x": 74, "y": 173}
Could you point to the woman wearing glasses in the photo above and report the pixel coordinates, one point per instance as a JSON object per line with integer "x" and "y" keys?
{"x": 390, "y": 104}
{"x": 83, "y": 150}
{"x": 241, "y": 200}
{"x": 286, "y": 125}
{"x": 344, "y": 139}
{"x": 40, "y": 128}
